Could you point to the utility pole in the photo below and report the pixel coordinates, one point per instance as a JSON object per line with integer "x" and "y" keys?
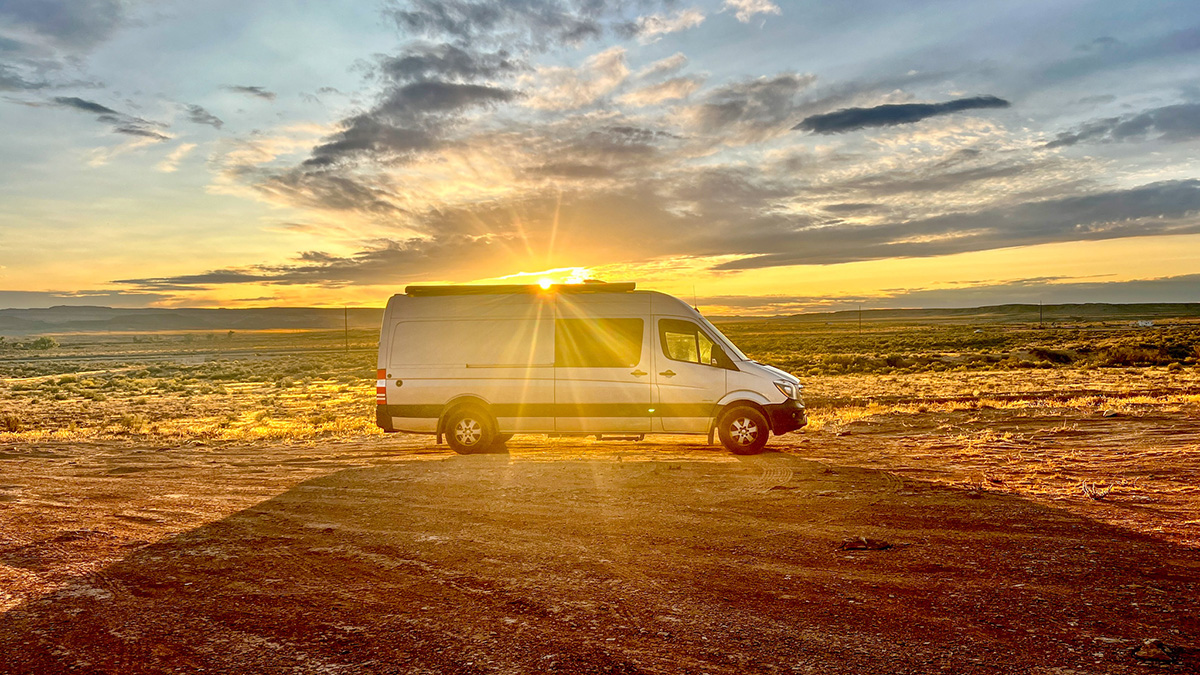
{"x": 1039, "y": 313}
{"x": 860, "y": 318}
{"x": 346, "y": 326}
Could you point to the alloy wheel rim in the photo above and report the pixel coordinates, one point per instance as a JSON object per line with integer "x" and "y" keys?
{"x": 467, "y": 431}
{"x": 743, "y": 431}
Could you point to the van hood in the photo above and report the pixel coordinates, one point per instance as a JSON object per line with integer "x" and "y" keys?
{"x": 769, "y": 371}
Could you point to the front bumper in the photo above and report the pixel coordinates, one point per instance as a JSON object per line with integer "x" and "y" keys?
{"x": 787, "y": 416}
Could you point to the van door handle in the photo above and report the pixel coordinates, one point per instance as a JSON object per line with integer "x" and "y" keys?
{"x": 668, "y": 373}
{"x": 639, "y": 373}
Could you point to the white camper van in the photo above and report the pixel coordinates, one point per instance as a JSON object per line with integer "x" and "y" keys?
{"x": 477, "y": 364}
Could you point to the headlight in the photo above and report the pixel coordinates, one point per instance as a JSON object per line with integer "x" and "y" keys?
{"x": 787, "y": 388}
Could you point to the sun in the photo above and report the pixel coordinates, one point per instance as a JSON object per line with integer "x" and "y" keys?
{"x": 545, "y": 283}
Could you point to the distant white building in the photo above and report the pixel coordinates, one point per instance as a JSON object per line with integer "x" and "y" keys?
{"x": 1144, "y": 324}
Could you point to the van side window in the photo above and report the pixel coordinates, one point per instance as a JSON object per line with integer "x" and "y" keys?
{"x": 684, "y": 341}
{"x": 598, "y": 343}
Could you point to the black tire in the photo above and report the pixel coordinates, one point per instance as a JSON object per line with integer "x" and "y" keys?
{"x": 743, "y": 430}
{"x": 470, "y": 430}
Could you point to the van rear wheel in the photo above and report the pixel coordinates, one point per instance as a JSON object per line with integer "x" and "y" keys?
{"x": 743, "y": 430}
{"x": 469, "y": 430}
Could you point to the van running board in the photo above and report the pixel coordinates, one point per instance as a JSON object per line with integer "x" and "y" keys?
{"x": 601, "y": 437}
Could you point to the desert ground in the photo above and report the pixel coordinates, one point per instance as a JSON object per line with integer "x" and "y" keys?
{"x": 1005, "y": 501}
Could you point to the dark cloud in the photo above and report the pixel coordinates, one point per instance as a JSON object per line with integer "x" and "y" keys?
{"x": 446, "y": 61}
{"x": 199, "y": 115}
{"x": 256, "y": 91}
{"x": 406, "y": 121}
{"x": 1172, "y": 123}
{"x": 413, "y": 100}
{"x": 84, "y": 105}
{"x": 851, "y": 119}
{"x": 79, "y": 24}
{"x": 128, "y": 125}
{"x": 130, "y": 130}
{"x": 367, "y": 135}
{"x": 390, "y": 262}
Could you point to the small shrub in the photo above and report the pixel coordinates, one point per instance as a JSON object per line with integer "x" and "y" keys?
{"x": 11, "y": 424}
{"x": 132, "y": 423}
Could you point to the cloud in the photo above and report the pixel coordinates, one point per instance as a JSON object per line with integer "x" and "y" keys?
{"x": 524, "y": 24}
{"x": 170, "y": 164}
{"x": 141, "y": 132}
{"x": 747, "y": 9}
{"x": 256, "y": 91}
{"x": 565, "y": 88}
{"x": 665, "y": 66}
{"x": 652, "y": 27}
{"x": 1048, "y": 290}
{"x": 446, "y": 61}
{"x": 88, "y": 298}
{"x": 1168, "y": 207}
{"x": 13, "y": 80}
{"x": 670, "y": 90}
{"x": 199, "y": 115}
{"x": 431, "y": 96}
{"x": 851, "y": 119}
{"x": 749, "y": 110}
{"x": 389, "y": 262}
{"x": 121, "y": 123}
{"x": 1107, "y": 54}
{"x": 84, "y": 105}
{"x": 1173, "y": 123}
{"x": 75, "y": 24}
{"x": 406, "y": 121}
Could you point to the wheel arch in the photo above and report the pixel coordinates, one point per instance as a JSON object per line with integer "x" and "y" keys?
{"x": 458, "y": 402}
{"x": 734, "y": 401}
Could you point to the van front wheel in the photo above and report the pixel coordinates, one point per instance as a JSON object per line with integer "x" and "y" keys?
{"x": 469, "y": 430}
{"x": 743, "y": 430}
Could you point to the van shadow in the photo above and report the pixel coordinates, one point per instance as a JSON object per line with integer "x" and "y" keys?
{"x": 487, "y": 563}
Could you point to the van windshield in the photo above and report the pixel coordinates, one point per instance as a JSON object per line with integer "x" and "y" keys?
{"x": 733, "y": 351}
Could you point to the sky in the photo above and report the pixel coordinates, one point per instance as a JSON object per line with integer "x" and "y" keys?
{"x": 760, "y": 156}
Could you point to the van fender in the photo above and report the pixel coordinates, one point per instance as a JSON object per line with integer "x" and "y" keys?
{"x": 458, "y": 402}
{"x": 740, "y": 396}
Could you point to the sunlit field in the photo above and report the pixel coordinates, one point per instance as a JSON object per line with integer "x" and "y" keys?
{"x": 312, "y": 384}
{"x": 147, "y": 473}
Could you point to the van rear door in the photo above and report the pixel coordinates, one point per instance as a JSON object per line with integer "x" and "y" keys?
{"x": 602, "y": 365}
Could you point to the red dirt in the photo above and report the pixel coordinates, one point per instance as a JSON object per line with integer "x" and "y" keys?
{"x": 388, "y": 555}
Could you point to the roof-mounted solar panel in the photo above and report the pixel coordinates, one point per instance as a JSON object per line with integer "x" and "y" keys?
{"x": 508, "y": 289}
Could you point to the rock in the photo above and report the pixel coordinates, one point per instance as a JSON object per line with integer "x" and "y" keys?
{"x": 863, "y": 544}
{"x": 1154, "y": 651}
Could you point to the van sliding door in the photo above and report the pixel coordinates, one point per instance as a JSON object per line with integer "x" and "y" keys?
{"x": 602, "y": 366}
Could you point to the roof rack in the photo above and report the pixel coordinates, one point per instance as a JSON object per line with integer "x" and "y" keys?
{"x": 512, "y": 289}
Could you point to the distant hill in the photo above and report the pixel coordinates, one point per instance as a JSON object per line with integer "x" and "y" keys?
{"x": 70, "y": 319}
{"x": 1012, "y": 313}
{"x": 65, "y": 319}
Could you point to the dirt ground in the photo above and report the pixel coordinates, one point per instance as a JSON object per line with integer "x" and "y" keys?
{"x": 893, "y": 541}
